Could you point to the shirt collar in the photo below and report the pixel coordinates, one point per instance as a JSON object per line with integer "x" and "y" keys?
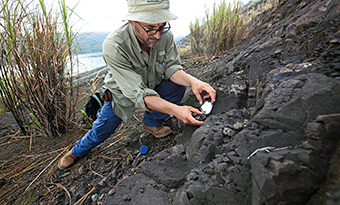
{"x": 134, "y": 38}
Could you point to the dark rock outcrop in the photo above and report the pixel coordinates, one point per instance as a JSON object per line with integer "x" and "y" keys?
{"x": 275, "y": 147}
{"x": 136, "y": 189}
{"x": 169, "y": 167}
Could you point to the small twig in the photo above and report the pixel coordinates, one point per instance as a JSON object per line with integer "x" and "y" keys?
{"x": 62, "y": 187}
{"x": 30, "y": 147}
{"x": 119, "y": 129}
{"x": 10, "y": 196}
{"x": 140, "y": 141}
{"x": 16, "y": 133}
{"x": 15, "y": 163}
{"x": 137, "y": 118}
{"x": 44, "y": 170}
{"x": 29, "y": 168}
{"x": 7, "y": 143}
{"x": 49, "y": 190}
{"x": 128, "y": 154}
{"x": 139, "y": 111}
{"x": 110, "y": 158}
{"x": 41, "y": 155}
{"x": 82, "y": 199}
{"x": 267, "y": 149}
{"x": 23, "y": 137}
{"x": 3, "y": 194}
{"x": 5, "y": 137}
{"x": 113, "y": 143}
{"x": 94, "y": 171}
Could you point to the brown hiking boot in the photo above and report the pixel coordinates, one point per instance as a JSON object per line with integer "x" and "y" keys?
{"x": 67, "y": 160}
{"x": 158, "y": 132}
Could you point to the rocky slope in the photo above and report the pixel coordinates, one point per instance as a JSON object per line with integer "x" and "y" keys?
{"x": 269, "y": 140}
{"x": 274, "y": 127}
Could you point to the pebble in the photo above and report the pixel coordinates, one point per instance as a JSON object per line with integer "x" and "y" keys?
{"x": 81, "y": 170}
{"x": 112, "y": 191}
{"x": 94, "y": 197}
{"x": 228, "y": 132}
{"x": 238, "y": 126}
{"x": 126, "y": 197}
{"x": 141, "y": 190}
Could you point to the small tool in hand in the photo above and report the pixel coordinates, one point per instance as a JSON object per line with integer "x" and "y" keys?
{"x": 206, "y": 109}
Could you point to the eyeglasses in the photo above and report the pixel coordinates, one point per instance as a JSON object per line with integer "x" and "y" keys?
{"x": 152, "y": 32}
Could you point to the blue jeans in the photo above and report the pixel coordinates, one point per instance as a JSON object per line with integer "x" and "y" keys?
{"x": 107, "y": 121}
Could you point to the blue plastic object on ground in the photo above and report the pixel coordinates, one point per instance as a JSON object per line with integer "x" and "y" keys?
{"x": 143, "y": 149}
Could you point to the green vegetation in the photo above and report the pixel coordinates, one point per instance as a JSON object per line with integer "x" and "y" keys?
{"x": 38, "y": 53}
{"x": 253, "y": 8}
{"x": 37, "y": 45}
{"x": 224, "y": 27}
{"x": 219, "y": 31}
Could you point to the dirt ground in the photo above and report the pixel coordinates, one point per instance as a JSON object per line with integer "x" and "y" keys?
{"x": 29, "y": 173}
{"x": 28, "y": 164}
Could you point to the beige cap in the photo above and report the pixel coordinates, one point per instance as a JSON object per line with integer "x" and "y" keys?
{"x": 149, "y": 11}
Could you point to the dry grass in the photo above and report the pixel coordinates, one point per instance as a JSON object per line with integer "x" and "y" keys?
{"x": 224, "y": 27}
{"x": 256, "y": 7}
{"x": 220, "y": 30}
{"x": 37, "y": 55}
{"x": 19, "y": 170}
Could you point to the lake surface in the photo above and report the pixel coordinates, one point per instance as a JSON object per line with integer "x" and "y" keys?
{"x": 88, "y": 62}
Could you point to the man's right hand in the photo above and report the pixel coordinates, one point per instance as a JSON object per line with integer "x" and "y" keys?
{"x": 184, "y": 114}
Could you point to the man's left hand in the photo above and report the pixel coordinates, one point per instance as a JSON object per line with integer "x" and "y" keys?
{"x": 198, "y": 87}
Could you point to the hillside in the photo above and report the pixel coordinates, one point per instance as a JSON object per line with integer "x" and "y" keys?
{"x": 272, "y": 137}
{"x": 91, "y": 42}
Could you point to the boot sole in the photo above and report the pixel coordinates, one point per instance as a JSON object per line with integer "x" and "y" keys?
{"x": 157, "y": 136}
{"x": 59, "y": 167}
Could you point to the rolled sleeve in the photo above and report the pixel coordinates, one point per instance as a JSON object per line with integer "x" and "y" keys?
{"x": 140, "y": 104}
{"x": 130, "y": 83}
{"x": 132, "y": 73}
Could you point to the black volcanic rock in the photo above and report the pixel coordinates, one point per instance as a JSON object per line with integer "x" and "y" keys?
{"x": 277, "y": 117}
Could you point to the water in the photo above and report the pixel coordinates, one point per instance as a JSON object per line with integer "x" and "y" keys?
{"x": 88, "y": 62}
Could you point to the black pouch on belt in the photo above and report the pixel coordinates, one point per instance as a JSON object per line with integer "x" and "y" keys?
{"x": 90, "y": 109}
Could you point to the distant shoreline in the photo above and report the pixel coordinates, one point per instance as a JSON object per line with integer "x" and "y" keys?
{"x": 90, "y": 74}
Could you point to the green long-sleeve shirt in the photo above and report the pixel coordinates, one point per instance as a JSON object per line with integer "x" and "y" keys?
{"x": 133, "y": 73}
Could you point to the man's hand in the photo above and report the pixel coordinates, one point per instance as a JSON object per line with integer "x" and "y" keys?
{"x": 198, "y": 87}
{"x": 184, "y": 114}
{"x": 182, "y": 78}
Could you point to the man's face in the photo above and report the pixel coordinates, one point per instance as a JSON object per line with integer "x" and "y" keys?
{"x": 143, "y": 31}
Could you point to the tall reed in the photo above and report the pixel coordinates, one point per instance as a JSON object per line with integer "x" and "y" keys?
{"x": 37, "y": 52}
{"x": 196, "y": 36}
{"x": 219, "y": 31}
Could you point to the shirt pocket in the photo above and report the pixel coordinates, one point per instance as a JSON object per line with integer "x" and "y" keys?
{"x": 160, "y": 67}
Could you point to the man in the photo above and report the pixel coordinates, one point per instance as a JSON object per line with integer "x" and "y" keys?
{"x": 145, "y": 72}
